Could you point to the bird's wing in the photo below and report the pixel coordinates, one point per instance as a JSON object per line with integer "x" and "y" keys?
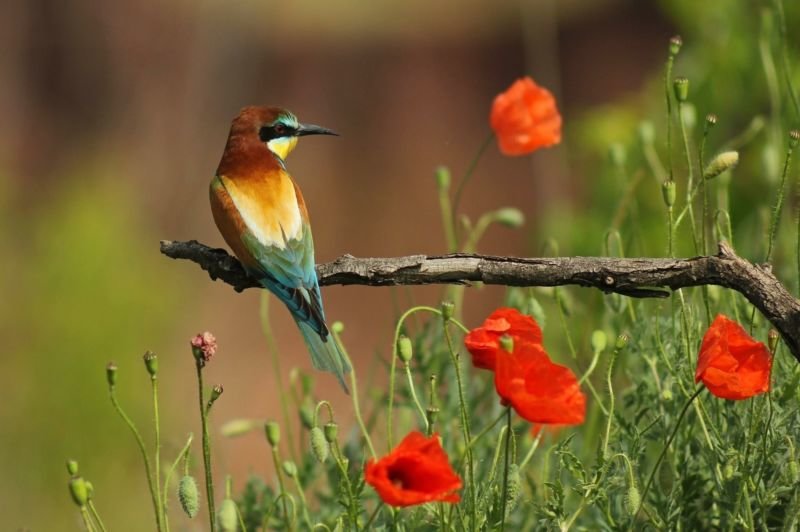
{"x": 284, "y": 264}
{"x": 288, "y": 271}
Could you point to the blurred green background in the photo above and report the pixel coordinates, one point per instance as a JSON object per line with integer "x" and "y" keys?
{"x": 114, "y": 116}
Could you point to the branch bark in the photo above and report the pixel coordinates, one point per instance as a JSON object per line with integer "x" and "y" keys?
{"x": 636, "y": 277}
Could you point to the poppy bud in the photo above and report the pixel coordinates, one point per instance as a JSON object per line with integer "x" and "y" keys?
{"x": 447, "y": 310}
{"x": 79, "y": 491}
{"x": 273, "y": 431}
{"x": 331, "y": 430}
{"x": 188, "y": 495}
{"x": 72, "y": 467}
{"x": 794, "y": 138}
{"x": 111, "y": 374}
{"x": 681, "y": 86}
{"x": 404, "y": 349}
{"x": 772, "y": 340}
{"x": 507, "y": 343}
{"x": 290, "y": 468}
{"x": 319, "y": 444}
{"x": 239, "y": 427}
{"x": 668, "y": 192}
{"x": 599, "y": 341}
{"x": 443, "y": 178}
{"x": 228, "y": 516}
{"x": 337, "y": 327}
{"x": 647, "y": 132}
{"x": 794, "y": 471}
{"x": 632, "y": 500}
{"x": 728, "y": 471}
{"x": 514, "y": 485}
{"x": 675, "y": 44}
{"x": 510, "y": 217}
{"x": 151, "y": 363}
{"x": 617, "y": 154}
{"x": 722, "y": 162}
{"x": 622, "y": 342}
{"x": 307, "y": 415}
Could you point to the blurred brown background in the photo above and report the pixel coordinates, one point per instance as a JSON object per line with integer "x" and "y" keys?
{"x": 114, "y": 115}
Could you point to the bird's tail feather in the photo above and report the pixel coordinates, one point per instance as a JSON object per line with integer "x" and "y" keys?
{"x": 325, "y": 353}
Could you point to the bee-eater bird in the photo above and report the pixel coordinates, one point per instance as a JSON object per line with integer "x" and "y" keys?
{"x": 261, "y": 213}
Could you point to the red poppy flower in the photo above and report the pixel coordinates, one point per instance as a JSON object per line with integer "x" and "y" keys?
{"x": 539, "y": 390}
{"x": 732, "y": 364}
{"x": 525, "y": 118}
{"x": 483, "y": 342}
{"x": 415, "y": 472}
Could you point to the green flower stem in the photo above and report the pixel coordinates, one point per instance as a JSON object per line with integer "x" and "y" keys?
{"x": 532, "y": 450}
{"x": 486, "y": 430}
{"x": 140, "y": 443}
{"x": 448, "y": 223}
{"x": 413, "y": 392}
{"x": 87, "y": 520}
{"x": 503, "y": 501}
{"x": 464, "y": 418}
{"x": 183, "y": 453}
{"x": 96, "y": 516}
{"x": 372, "y": 517}
{"x": 776, "y": 209}
{"x": 668, "y": 95}
{"x": 352, "y": 506}
{"x": 276, "y": 461}
{"x": 610, "y": 384}
{"x": 664, "y": 452}
{"x": 393, "y": 369}
{"x": 157, "y": 459}
{"x": 206, "y": 448}
{"x": 690, "y": 179}
{"x": 787, "y": 71}
{"x": 354, "y": 391}
{"x": 266, "y": 329}
{"x": 303, "y": 501}
{"x": 468, "y": 174}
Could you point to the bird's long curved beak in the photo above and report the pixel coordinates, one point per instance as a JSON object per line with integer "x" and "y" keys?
{"x": 311, "y": 129}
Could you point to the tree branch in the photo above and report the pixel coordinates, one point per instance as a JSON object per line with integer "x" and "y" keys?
{"x": 641, "y": 277}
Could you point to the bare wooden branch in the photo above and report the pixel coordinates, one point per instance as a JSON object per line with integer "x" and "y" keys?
{"x": 635, "y": 277}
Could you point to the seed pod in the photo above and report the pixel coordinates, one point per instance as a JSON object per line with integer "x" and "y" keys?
{"x": 622, "y": 341}
{"x": 447, "y": 310}
{"x": 228, "y": 516}
{"x": 319, "y": 444}
{"x": 772, "y": 340}
{"x": 331, "y": 431}
{"x": 668, "y": 193}
{"x": 675, "y": 44}
{"x": 681, "y": 86}
{"x": 151, "y": 363}
{"x": 431, "y": 413}
{"x": 111, "y": 374}
{"x": 794, "y": 138}
{"x": 188, "y": 495}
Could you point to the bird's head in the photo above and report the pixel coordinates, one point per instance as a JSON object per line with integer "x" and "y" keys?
{"x": 277, "y": 128}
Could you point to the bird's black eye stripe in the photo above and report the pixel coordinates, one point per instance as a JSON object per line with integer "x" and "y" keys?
{"x": 267, "y": 133}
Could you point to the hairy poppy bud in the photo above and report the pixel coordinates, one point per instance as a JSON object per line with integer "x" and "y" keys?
{"x": 188, "y": 495}
{"x": 404, "y": 349}
{"x": 79, "y": 491}
{"x": 307, "y": 415}
{"x": 331, "y": 431}
{"x": 599, "y": 341}
{"x": 273, "y": 431}
{"x": 632, "y": 500}
{"x": 319, "y": 444}
{"x": 514, "y": 486}
{"x": 239, "y": 427}
{"x": 151, "y": 363}
{"x": 228, "y": 516}
{"x": 443, "y": 178}
{"x": 668, "y": 192}
{"x": 722, "y": 162}
{"x": 290, "y": 468}
{"x": 675, "y": 44}
{"x": 510, "y": 217}
{"x": 111, "y": 374}
{"x": 681, "y": 86}
{"x": 72, "y": 467}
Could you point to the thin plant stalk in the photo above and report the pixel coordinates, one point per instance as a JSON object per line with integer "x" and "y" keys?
{"x": 157, "y": 458}
{"x": 372, "y": 517}
{"x": 276, "y": 461}
{"x": 87, "y": 520}
{"x": 184, "y": 452}
{"x": 506, "y": 465}
{"x": 143, "y": 451}
{"x": 664, "y": 452}
{"x": 96, "y": 515}
{"x": 413, "y": 392}
{"x": 468, "y": 174}
{"x": 206, "y": 447}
